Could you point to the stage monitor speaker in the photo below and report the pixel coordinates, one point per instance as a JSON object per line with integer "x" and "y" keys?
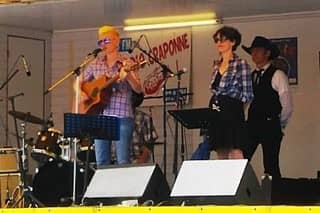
{"x": 140, "y": 183}
{"x": 217, "y": 182}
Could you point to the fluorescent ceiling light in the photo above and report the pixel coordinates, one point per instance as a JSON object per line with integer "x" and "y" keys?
{"x": 16, "y": 2}
{"x": 170, "y": 21}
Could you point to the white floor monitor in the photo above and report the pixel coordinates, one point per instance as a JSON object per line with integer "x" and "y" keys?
{"x": 217, "y": 182}
{"x": 115, "y": 184}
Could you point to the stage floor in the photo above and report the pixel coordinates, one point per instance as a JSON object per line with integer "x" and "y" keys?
{"x": 166, "y": 209}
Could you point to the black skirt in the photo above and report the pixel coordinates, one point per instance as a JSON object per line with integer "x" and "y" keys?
{"x": 227, "y": 130}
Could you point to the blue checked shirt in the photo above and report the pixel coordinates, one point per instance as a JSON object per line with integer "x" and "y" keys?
{"x": 236, "y": 81}
{"x": 120, "y": 101}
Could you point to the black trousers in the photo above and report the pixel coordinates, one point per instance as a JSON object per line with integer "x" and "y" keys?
{"x": 269, "y": 134}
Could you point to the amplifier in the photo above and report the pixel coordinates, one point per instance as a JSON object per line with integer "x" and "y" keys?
{"x": 9, "y": 160}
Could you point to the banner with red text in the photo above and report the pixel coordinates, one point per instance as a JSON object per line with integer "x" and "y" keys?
{"x": 173, "y": 49}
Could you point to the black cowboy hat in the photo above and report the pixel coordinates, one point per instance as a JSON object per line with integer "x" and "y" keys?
{"x": 263, "y": 42}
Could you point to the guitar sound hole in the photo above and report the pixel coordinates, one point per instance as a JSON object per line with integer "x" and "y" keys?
{"x": 95, "y": 92}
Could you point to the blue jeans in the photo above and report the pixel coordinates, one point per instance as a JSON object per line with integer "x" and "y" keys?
{"x": 202, "y": 152}
{"x": 103, "y": 147}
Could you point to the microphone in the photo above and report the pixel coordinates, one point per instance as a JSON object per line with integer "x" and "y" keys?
{"x": 136, "y": 44}
{"x": 96, "y": 52}
{"x": 90, "y": 57}
{"x": 182, "y": 71}
{"x": 50, "y": 122}
{"x": 25, "y": 65}
{"x": 179, "y": 72}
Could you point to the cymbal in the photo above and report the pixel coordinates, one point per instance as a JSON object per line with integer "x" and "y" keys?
{"x": 26, "y": 117}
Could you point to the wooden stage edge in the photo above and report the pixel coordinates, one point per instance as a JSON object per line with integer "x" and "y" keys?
{"x": 166, "y": 209}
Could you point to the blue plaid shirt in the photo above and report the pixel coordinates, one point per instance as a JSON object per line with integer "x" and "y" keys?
{"x": 236, "y": 81}
{"x": 120, "y": 101}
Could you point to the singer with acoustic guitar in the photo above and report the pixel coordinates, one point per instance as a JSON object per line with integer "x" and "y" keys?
{"x": 107, "y": 86}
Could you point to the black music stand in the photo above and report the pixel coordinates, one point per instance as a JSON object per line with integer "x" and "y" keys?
{"x": 93, "y": 127}
{"x": 96, "y": 126}
{"x": 194, "y": 118}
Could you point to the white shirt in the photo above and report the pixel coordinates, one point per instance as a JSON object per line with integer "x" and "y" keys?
{"x": 280, "y": 83}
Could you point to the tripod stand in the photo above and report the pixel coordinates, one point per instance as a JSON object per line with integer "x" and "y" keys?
{"x": 26, "y": 199}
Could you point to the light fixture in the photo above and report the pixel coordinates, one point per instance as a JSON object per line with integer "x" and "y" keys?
{"x": 16, "y": 2}
{"x": 170, "y": 21}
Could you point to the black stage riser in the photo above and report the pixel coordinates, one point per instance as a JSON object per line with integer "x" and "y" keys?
{"x": 290, "y": 191}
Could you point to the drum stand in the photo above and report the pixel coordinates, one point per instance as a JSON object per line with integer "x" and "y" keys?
{"x": 26, "y": 197}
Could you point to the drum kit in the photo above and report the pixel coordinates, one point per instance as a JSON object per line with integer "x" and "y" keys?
{"x": 50, "y": 143}
{"x": 52, "y": 184}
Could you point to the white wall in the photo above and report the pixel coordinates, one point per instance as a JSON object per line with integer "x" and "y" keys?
{"x": 299, "y": 156}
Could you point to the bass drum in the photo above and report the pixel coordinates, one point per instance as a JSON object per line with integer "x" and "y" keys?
{"x": 52, "y": 184}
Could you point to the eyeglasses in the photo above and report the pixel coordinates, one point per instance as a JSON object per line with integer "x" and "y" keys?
{"x": 221, "y": 39}
{"x": 103, "y": 42}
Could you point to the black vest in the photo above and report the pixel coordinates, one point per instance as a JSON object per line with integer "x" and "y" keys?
{"x": 266, "y": 104}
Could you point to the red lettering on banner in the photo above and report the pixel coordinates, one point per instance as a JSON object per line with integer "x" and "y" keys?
{"x": 134, "y": 58}
{"x": 150, "y": 59}
{"x": 185, "y": 41}
{"x": 165, "y": 49}
{"x": 155, "y": 52}
{"x": 171, "y": 47}
{"x": 179, "y": 43}
{"x": 160, "y": 53}
{"x": 141, "y": 57}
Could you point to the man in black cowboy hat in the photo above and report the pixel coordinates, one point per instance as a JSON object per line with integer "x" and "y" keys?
{"x": 271, "y": 107}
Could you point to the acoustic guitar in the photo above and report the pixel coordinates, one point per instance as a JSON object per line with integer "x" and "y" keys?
{"x": 99, "y": 90}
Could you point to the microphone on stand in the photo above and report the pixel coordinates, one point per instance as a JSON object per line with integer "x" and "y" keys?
{"x": 90, "y": 57}
{"x": 96, "y": 52}
{"x": 25, "y": 65}
{"x": 182, "y": 71}
{"x": 50, "y": 122}
{"x": 136, "y": 44}
{"x": 179, "y": 72}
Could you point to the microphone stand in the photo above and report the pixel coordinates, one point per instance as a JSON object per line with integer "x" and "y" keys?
{"x": 179, "y": 105}
{"x": 10, "y": 77}
{"x": 76, "y": 72}
{"x": 11, "y": 73}
{"x": 22, "y": 157}
{"x": 165, "y": 72}
{"x": 14, "y": 118}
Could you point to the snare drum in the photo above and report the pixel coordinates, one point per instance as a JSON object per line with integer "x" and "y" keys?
{"x": 47, "y": 145}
